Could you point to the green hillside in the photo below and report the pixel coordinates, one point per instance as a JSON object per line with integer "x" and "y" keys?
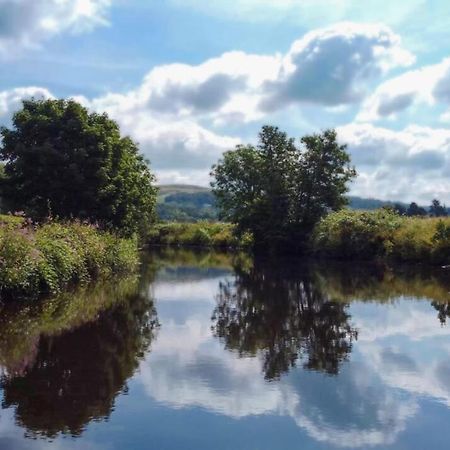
{"x": 190, "y": 203}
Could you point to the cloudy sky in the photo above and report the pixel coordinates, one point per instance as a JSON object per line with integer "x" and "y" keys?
{"x": 189, "y": 79}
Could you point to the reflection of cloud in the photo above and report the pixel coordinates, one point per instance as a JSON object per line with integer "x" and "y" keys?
{"x": 199, "y": 290}
{"x": 414, "y": 320}
{"x": 353, "y": 410}
{"x": 188, "y": 368}
{"x": 395, "y": 419}
{"x": 419, "y": 376}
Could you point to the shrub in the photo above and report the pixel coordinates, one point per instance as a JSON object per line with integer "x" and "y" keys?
{"x": 202, "y": 234}
{"x": 356, "y": 234}
{"x": 383, "y": 234}
{"x": 50, "y": 257}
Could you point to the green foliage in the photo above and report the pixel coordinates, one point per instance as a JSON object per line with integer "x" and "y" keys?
{"x": 50, "y": 257}
{"x": 279, "y": 191}
{"x": 415, "y": 210}
{"x": 64, "y": 161}
{"x": 383, "y": 234}
{"x": 437, "y": 210}
{"x": 201, "y": 234}
{"x": 351, "y": 234}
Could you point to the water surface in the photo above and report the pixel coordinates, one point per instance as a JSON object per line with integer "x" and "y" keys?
{"x": 213, "y": 350}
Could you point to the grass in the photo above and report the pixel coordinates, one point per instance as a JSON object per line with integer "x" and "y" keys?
{"x": 199, "y": 234}
{"x": 382, "y": 234}
{"x": 36, "y": 260}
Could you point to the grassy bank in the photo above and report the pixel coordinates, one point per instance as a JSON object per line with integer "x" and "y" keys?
{"x": 48, "y": 258}
{"x": 383, "y": 234}
{"x": 199, "y": 234}
{"x": 347, "y": 235}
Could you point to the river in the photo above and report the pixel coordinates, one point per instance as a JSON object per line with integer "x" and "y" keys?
{"x": 208, "y": 350}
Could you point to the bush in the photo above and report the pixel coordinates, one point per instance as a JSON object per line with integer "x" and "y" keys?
{"x": 383, "y": 234}
{"x": 50, "y": 257}
{"x": 202, "y": 234}
{"x": 356, "y": 234}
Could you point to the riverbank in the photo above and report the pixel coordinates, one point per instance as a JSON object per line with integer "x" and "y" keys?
{"x": 199, "y": 234}
{"x": 344, "y": 235}
{"x": 385, "y": 235}
{"x": 45, "y": 259}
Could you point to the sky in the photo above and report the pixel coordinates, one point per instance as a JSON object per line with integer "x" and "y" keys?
{"x": 190, "y": 79}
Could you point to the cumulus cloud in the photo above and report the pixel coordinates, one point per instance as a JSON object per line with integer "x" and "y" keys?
{"x": 181, "y": 115}
{"x": 26, "y": 23}
{"x": 11, "y": 100}
{"x": 411, "y": 164}
{"x": 329, "y": 66}
{"x": 429, "y": 85}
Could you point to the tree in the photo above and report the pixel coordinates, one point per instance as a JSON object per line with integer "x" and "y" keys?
{"x": 437, "y": 210}
{"x": 399, "y": 209}
{"x": 65, "y": 161}
{"x": 415, "y": 210}
{"x": 278, "y": 190}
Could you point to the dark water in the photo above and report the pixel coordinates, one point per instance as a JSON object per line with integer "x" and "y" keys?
{"x": 215, "y": 351}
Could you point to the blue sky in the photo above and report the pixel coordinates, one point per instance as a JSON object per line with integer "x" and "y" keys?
{"x": 189, "y": 79}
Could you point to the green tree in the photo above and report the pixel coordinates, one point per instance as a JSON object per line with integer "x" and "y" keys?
{"x": 415, "y": 210}
{"x": 65, "y": 161}
{"x": 279, "y": 190}
{"x": 437, "y": 210}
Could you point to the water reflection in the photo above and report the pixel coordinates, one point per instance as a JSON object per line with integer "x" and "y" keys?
{"x": 327, "y": 356}
{"x": 282, "y": 311}
{"x": 73, "y": 362}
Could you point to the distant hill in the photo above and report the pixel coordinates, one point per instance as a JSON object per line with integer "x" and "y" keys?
{"x": 187, "y": 203}
{"x": 355, "y": 202}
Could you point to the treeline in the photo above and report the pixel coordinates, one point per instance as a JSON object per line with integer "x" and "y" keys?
{"x": 89, "y": 197}
{"x": 83, "y": 193}
{"x": 291, "y": 197}
{"x": 201, "y": 206}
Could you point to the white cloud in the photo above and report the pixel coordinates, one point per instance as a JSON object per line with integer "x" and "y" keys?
{"x": 26, "y": 23}
{"x": 11, "y": 100}
{"x": 412, "y": 164}
{"x": 181, "y": 114}
{"x": 331, "y": 66}
{"x": 428, "y": 85}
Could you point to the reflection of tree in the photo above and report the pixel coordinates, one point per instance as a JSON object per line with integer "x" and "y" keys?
{"x": 282, "y": 313}
{"x": 76, "y": 376}
{"x": 443, "y": 310}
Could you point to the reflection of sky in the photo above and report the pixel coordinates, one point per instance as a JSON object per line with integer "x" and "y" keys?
{"x": 191, "y": 393}
{"x": 399, "y": 363}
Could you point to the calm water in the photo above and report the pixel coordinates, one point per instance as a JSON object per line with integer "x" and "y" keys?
{"x": 215, "y": 351}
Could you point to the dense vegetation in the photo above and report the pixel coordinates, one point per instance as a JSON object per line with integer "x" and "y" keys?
{"x": 65, "y": 162}
{"x": 200, "y": 234}
{"x": 278, "y": 190}
{"x": 383, "y": 234}
{"x": 48, "y": 258}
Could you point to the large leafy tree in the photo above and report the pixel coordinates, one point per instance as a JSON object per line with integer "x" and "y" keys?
{"x": 279, "y": 190}
{"x": 65, "y": 161}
